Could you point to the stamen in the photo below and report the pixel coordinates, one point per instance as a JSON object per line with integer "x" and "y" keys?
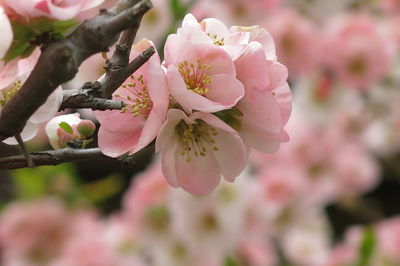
{"x": 141, "y": 104}
{"x": 11, "y": 92}
{"x": 220, "y": 42}
{"x": 195, "y": 76}
{"x": 196, "y": 139}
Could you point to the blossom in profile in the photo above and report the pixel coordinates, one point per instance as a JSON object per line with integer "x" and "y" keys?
{"x": 146, "y": 102}
{"x": 201, "y": 76}
{"x": 266, "y": 106}
{"x": 197, "y": 149}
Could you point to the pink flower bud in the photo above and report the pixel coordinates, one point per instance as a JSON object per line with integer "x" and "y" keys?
{"x": 63, "y": 138}
{"x": 86, "y": 128}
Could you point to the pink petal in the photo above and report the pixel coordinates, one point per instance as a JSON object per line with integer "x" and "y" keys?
{"x": 49, "y": 108}
{"x": 63, "y": 13}
{"x": 116, "y": 121}
{"x": 278, "y": 74}
{"x": 114, "y": 144}
{"x": 92, "y": 3}
{"x": 283, "y": 96}
{"x": 167, "y": 130}
{"x": 199, "y": 176}
{"x": 225, "y": 90}
{"x": 231, "y": 154}
{"x": 168, "y": 161}
{"x": 175, "y": 49}
{"x": 6, "y": 33}
{"x": 26, "y": 65}
{"x": 262, "y": 109}
{"x": 28, "y": 133}
{"x": 214, "y": 56}
{"x": 149, "y": 131}
{"x": 8, "y": 73}
{"x": 258, "y": 139}
{"x": 187, "y": 99}
{"x": 252, "y": 68}
{"x": 215, "y": 27}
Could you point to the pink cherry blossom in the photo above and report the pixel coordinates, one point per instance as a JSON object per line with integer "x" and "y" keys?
{"x": 146, "y": 97}
{"x": 214, "y": 31}
{"x": 357, "y": 51}
{"x": 148, "y": 189}
{"x": 53, "y": 9}
{"x": 197, "y": 149}
{"x": 33, "y": 231}
{"x": 296, "y": 38}
{"x": 201, "y": 76}
{"x": 266, "y": 106}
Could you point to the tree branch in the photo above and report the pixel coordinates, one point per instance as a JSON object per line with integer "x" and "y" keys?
{"x": 117, "y": 74}
{"x": 76, "y": 99}
{"x": 54, "y": 157}
{"x": 59, "y": 62}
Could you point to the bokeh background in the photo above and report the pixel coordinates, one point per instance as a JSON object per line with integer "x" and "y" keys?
{"x": 328, "y": 197}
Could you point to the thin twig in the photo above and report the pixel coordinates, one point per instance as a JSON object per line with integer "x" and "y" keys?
{"x": 76, "y": 99}
{"x": 54, "y": 157}
{"x": 116, "y": 76}
{"x": 27, "y": 156}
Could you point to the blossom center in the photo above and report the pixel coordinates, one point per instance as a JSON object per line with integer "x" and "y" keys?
{"x": 216, "y": 40}
{"x": 140, "y": 104}
{"x": 6, "y": 97}
{"x": 196, "y": 138}
{"x": 195, "y": 76}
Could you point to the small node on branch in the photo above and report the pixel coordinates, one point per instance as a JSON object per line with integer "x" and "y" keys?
{"x": 24, "y": 151}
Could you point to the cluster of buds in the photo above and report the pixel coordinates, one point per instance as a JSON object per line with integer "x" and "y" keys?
{"x": 70, "y": 131}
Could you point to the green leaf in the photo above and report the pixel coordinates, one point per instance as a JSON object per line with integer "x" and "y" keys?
{"x": 28, "y": 35}
{"x": 230, "y": 261}
{"x": 36, "y": 182}
{"x": 232, "y": 117}
{"x": 64, "y": 26}
{"x": 67, "y": 128}
{"x": 366, "y": 248}
{"x": 103, "y": 189}
{"x": 178, "y": 10}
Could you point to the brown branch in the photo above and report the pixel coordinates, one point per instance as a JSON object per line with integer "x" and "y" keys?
{"x": 60, "y": 60}
{"x": 117, "y": 74}
{"x": 76, "y": 99}
{"x": 54, "y": 157}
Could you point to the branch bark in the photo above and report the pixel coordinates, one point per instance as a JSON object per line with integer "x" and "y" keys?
{"x": 59, "y": 62}
{"x": 55, "y": 157}
{"x": 117, "y": 73}
{"x": 76, "y": 99}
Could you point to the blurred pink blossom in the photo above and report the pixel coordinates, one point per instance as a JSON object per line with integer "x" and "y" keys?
{"x": 357, "y": 51}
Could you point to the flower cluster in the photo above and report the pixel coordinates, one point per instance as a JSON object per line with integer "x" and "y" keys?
{"x": 218, "y": 93}
{"x": 22, "y": 24}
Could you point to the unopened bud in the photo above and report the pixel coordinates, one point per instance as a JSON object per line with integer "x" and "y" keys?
{"x": 63, "y": 138}
{"x": 86, "y": 128}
